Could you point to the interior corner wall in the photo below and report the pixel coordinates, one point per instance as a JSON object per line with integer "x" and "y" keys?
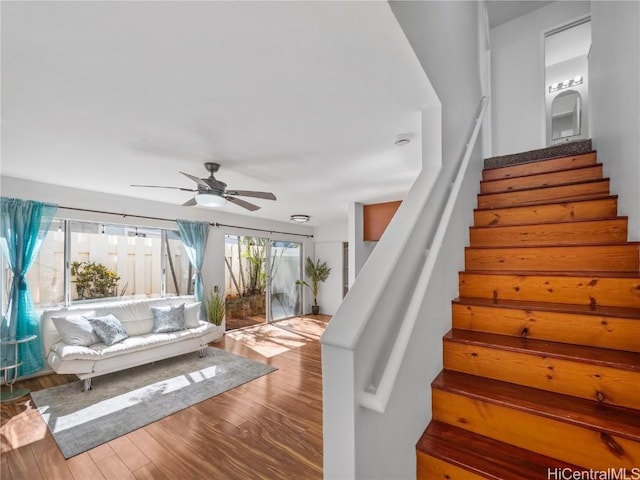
{"x": 444, "y": 36}
{"x": 328, "y": 243}
{"x": 614, "y": 68}
{"x": 330, "y": 292}
{"x": 517, "y": 76}
{"x": 359, "y": 250}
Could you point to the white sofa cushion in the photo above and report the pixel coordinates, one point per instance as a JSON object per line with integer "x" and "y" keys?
{"x": 192, "y": 315}
{"x": 76, "y": 329}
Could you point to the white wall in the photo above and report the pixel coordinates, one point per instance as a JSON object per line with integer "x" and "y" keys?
{"x": 214, "y": 268}
{"x": 444, "y": 36}
{"x": 330, "y": 292}
{"x": 328, "y": 241}
{"x": 614, "y": 68}
{"x": 517, "y": 76}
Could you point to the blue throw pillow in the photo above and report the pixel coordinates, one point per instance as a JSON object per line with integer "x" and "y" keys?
{"x": 108, "y": 329}
{"x": 168, "y": 319}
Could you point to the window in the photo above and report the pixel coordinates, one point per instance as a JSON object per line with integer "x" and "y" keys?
{"x": 106, "y": 261}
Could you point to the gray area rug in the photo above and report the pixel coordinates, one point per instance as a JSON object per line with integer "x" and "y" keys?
{"x": 124, "y": 401}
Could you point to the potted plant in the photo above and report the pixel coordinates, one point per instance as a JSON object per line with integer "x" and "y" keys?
{"x": 215, "y": 308}
{"x": 317, "y": 272}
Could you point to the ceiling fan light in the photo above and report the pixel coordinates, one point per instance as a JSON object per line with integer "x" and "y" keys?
{"x": 299, "y": 218}
{"x": 210, "y": 200}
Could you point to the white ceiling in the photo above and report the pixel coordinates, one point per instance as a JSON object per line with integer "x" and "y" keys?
{"x": 304, "y": 99}
{"x": 503, "y": 11}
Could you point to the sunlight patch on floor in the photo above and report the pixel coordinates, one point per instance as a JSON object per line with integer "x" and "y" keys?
{"x": 279, "y": 337}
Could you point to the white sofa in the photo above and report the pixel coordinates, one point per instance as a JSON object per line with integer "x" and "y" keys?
{"x": 142, "y": 346}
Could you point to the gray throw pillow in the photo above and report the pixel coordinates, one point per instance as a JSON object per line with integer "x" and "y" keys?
{"x": 76, "y": 329}
{"x": 192, "y": 315}
{"x": 168, "y": 319}
{"x": 108, "y": 329}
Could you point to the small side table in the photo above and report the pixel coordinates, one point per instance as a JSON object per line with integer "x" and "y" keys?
{"x": 13, "y": 364}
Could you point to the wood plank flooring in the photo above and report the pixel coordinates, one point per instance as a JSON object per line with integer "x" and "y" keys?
{"x": 270, "y": 428}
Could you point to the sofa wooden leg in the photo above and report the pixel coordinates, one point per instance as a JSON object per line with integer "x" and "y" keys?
{"x": 202, "y": 355}
{"x": 87, "y": 384}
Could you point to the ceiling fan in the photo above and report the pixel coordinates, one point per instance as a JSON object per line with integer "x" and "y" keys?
{"x": 211, "y": 192}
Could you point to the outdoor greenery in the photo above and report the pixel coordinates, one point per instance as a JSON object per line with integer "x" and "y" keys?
{"x": 94, "y": 280}
{"x": 215, "y": 306}
{"x": 251, "y": 278}
{"x": 254, "y": 252}
{"x": 318, "y": 272}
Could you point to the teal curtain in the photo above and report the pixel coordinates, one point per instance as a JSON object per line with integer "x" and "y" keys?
{"x": 24, "y": 225}
{"x": 194, "y": 237}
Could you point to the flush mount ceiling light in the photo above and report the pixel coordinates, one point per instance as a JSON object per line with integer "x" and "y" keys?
{"x": 554, "y": 87}
{"x": 400, "y": 142}
{"x": 299, "y": 218}
{"x": 210, "y": 200}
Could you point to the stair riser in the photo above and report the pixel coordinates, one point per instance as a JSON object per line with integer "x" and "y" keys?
{"x": 562, "y": 193}
{"x": 599, "y": 383}
{"x": 430, "y": 468}
{"x": 590, "y": 330}
{"x": 570, "y": 233}
{"x": 579, "y": 290}
{"x": 609, "y": 258}
{"x": 567, "y": 442}
{"x": 540, "y": 167}
{"x": 555, "y": 212}
{"x": 542, "y": 180}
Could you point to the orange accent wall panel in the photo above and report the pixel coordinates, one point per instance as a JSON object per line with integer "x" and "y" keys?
{"x": 376, "y": 217}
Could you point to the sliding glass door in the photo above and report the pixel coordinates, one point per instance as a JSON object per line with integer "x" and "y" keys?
{"x": 261, "y": 279}
{"x": 285, "y": 267}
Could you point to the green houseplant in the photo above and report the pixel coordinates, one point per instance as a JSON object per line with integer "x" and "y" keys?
{"x": 318, "y": 273}
{"x": 215, "y": 307}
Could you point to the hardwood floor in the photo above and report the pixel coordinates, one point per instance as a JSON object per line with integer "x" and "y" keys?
{"x": 270, "y": 428}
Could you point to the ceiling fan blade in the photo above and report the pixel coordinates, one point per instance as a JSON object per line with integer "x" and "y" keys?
{"x": 199, "y": 181}
{"x": 243, "y": 204}
{"x": 249, "y": 193}
{"x": 161, "y": 186}
{"x": 190, "y": 203}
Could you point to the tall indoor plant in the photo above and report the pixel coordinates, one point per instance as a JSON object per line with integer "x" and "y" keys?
{"x": 317, "y": 272}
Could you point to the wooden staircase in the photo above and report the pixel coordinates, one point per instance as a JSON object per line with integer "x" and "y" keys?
{"x": 542, "y": 366}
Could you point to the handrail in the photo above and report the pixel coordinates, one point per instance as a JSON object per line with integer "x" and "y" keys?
{"x": 379, "y": 399}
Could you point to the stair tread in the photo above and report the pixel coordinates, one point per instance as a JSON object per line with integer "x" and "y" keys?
{"x": 620, "y": 421}
{"x": 485, "y": 456}
{"x": 581, "y": 274}
{"x": 554, "y": 222}
{"x": 580, "y": 353}
{"x": 542, "y": 187}
{"x": 596, "y": 310}
{"x": 582, "y": 245}
{"x": 536, "y": 174}
{"x": 548, "y": 202}
{"x": 535, "y": 160}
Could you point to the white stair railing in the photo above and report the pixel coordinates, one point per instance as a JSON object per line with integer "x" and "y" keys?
{"x": 364, "y": 345}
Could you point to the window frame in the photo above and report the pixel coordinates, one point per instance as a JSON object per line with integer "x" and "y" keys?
{"x": 67, "y": 301}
